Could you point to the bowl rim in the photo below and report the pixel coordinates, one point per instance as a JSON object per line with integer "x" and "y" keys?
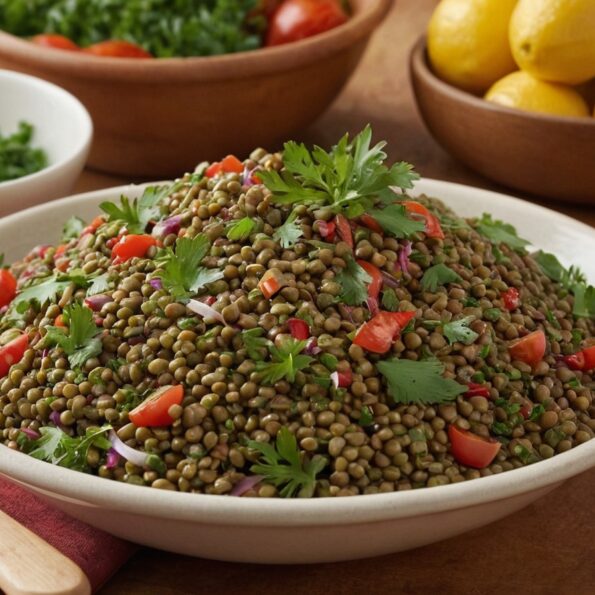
{"x": 419, "y": 67}
{"x": 82, "y": 139}
{"x": 215, "y": 509}
{"x": 368, "y": 14}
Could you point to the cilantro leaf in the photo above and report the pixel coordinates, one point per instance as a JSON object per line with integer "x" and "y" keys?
{"x": 56, "y": 447}
{"x": 390, "y": 301}
{"x": 289, "y": 233}
{"x": 499, "y": 232}
{"x": 182, "y": 274}
{"x": 438, "y": 275}
{"x": 353, "y": 279}
{"x": 255, "y": 344}
{"x": 99, "y": 284}
{"x": 393, "y": 219}
{"x": 458, "y": 330}
{"x": 80, "y": 342}
{"x": 72, "y": 228}
{"x": 350, "y": 175}
{"x": 240, "y": 229}
{"x": 366, "y": 417}
{"x": 584, "y": 301}
{"x": 47, "y": 290}
{"x": 419, "y": 382}
{"x": 282, "y": 465}
{"x": 287, "y": 360}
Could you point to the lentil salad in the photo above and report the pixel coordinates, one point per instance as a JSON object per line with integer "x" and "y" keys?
{"x": 290, "y": 326}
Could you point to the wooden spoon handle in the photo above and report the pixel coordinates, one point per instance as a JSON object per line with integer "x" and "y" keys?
{"x": 31, "y": 566}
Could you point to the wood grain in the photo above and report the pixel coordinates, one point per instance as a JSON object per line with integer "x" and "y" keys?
{"x": 31, "y": 566}
{"x": 546, "y": 548}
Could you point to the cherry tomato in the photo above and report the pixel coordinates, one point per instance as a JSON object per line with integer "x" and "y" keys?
{"x": 153, "y": 411}
{"x": 511, "y": 298}
{"x": 470, "y": 449}
{"x": 581, "y": 360}
{"x": 298, "y": 328}
{"x": 298, "y": 19}
{"x": 59, "y": 321}
{"x": 344, "y": 230}
{"x": 8, "y": 287}
{"x": 60, "y": 250}
{"x": 114, "y": 48}
{"x": 131, "y": 246}
{"x": 371, "y": 223}
{"x": 53, "y": 40}
{"x": 433, "y": 228}
{"x": 529, "y": 349}
{"x": 374, "y": 272}
{"x": 12, "y": 353}
{"x": 378, "y": 334}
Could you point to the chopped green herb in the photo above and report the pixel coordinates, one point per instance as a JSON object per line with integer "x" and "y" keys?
{"x": 99, "y": 284}
{"x": 289, "y": 233}
{"x": 390, "y": 301}
{"x": 484, "y": 351}
{"x": 47, "y": 290}
{"x": 287, "y": 361}
{"x": 240, "y": 229}
{"x": 458, "y": 330}
{"x": 72, "y": 228}
{"x": 17, "y": 157}
{"x": 419, "y": 382}
{"x": 553, "y": 269}
{"x": 394, "y": 220}
{"x": 438, "y": 275}
{"x": 366, "y": 417}
{"x": 499, "y": 232}
{"x": 329, "y": 361}
{"x": 492, "y": 314}
{"x": 470, "y": 302}
{"x": 500, "y": 257}
{"x": 526, "y": 455}
{"x": 353, "y": 280}
{"x": 284, "y": 467}
{"x": 536, "y": 412}
{"x": 584, "y": 301}
{"x": 256, "y": 345}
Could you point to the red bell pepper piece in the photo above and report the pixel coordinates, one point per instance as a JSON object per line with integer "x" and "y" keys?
{"x": 371, "y": 223}
{"x": 477, "y": 390}
{"x": 272, "y": 281}
{"x": 326, "y": 229}
{"x": 378, "y": 334}
{"x": 298, "y": 328}
{"x": 229, "y": 164}
{"x": 344, "y": 230}
{"x": 511, "y": 298}
{"x": 470, "y": 449}
{"x": 376, "y": 282}
{"x": 433, "y": 228}
{"x": 131, "y": 246}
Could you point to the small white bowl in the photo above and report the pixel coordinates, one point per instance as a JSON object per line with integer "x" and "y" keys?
{"x": 63, "y": 129}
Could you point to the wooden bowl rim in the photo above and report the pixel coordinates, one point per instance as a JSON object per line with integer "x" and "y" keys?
{"x": 368, "y": 14}
{"x": 419, "y": 68}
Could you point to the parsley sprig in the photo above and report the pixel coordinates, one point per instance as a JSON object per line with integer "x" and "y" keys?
{"x": 283, "y": 466}
{"x": 499, "y": 232}
{"x": 47, "y": 290}
{"x": 458, "y": 330}
{"x": 438, "y": 275}
{"x": 290, "y": 232}
{"x": 287, "y": 360}
{"x": 353, "y": 279}
{"x": 351, "y": 177}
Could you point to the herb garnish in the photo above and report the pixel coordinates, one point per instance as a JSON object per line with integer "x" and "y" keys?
{"x": 47, "y": 290}
{"x": 17, "y": 157}
{"x": 72, "y": 228}
{"x": 283, "y": 465}
{"x": 499, "y": 232}
{"x": 458, "y": 330}
{"x": 438, "y": 275}
{"x": 353, "y": 279}
{"x": 80, "y": 341}
{"x": 351, "y": 176}
{"x": 182, "y": 274}
{"x": 394, "y": 220}
{"x": 390, "y": 301}
{"x": 291, "y": 231}
{"x": 287, "y": 361}
{"x": 419, "y": 382}
{"x": 256, "y": 345}
{"x": 240, "y": 229}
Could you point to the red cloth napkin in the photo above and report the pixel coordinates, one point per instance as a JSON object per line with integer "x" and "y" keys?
{"x": 99, "y": 554}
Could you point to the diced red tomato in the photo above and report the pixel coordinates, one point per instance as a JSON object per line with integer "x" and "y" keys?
{"x": 581, "y": 360}
{"x": 272, "y": 281}
{"x": 378, "y": 334}
{"x": 511, "y": 298}
{"x": 371, "y": 223}
{"x": 433, "y": 228}
{"x": 477, "y": 390}
{"x": 470, "y": 449}
{"x": 298, "y": 328}
{"x": 12, "y": 353}
{"x": 60, "y": 250}
{"x": 213, "y": 169}
{"x": 131, "y": 246}
{"x": 153, "y": 411}
{"x": 344, "y": 229}
{"x": 8, "y": 287}
{"x": 53, "y": 40}
{"x": 115, "y": 48}
{"x": 94, "y": 225}
{"x": 63, "y": 264}
{"x": 525, "y": 411}
{"x": 529, "y": 349}
{"x": 59, "y": 321}
{"x": 326, "y": 229}
{"x": 229, "y": 164}
{"x": 345, "y": 378}
{"x": 298, "y": 19}
{"x": 374, "y": 272}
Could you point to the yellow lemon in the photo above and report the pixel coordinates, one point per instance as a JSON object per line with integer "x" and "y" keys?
{"x": 468, "y": 42}
{"x": 523, "y": 91}
{"x": 554, "y": 40}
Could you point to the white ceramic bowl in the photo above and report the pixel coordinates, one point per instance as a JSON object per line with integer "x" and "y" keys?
{"x": 63, "y": 129}
{"x": 303, "y": 531}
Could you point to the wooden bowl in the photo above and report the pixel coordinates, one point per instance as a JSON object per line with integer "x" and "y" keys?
{"x": 549, "y": 156}
{"x": 161, "y": 117}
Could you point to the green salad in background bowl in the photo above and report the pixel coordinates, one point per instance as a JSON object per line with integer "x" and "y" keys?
{"x": 18, "y": 155}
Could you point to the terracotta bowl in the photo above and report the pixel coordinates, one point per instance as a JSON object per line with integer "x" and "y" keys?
{"x": 551, "y": 157}
{"x": 160, "y": 117}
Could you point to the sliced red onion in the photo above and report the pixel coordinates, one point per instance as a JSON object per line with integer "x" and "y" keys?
{"x": 404, "y": 254}
{"x": 55, "y": 418}
{"x": 389, "y": 280}
{"x": 248, "y": 176}
{"x": 113, "y": 458}
{"x": 96, "y": 302}
{"x": 167, "y": 226}
{"x": 205, "y": 311}
{"x": 372, "y": 304}
{"x": 136, "y": 457}
{"x": 245, "y": 485}
{"x": 31, "y": 434}
{"x": 45, "y": 352}
{"x": 156, "y": 284}
{"x": 312, "y": 347}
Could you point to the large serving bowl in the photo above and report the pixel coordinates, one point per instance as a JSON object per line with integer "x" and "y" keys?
{"x": 548, "y": 156}
{"x": 302, "y": 531}
{"x": 155, "y": 117}
{"x": 63, "y": 129}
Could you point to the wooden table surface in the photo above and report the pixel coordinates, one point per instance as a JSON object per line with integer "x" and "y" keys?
{"x": 546, "y": 548}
